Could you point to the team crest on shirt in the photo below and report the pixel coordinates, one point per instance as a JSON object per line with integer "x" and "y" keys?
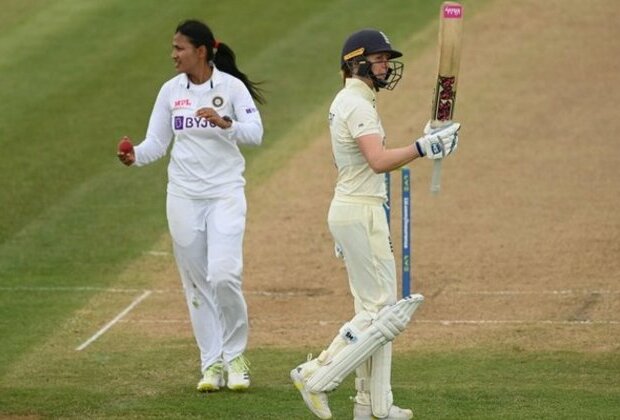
{"x": 218, "y": 101}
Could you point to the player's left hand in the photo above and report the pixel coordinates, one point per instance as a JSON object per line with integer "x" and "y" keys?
{"x": 438, "y": 142}
{"x": 212, "y": 116}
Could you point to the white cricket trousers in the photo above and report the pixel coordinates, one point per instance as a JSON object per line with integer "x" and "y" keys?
{"x": 207, "y": 237}
{"x": 359, "y": 227}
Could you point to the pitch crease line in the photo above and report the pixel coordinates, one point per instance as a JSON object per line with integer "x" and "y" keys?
{"x": 116, "y": 319}
{"x": 422, "y": 321}
{"x": 513, "y": 322}
{"x": 535, "y": 292}
{"x": 68, "y": 289}
{"x": 130, "y": 290}
{"x": 305, "y": 293}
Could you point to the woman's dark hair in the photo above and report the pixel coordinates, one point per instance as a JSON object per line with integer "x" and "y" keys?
{"x": 200, "y": 34}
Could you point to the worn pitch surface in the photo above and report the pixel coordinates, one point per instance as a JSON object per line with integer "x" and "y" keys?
{"x": 522, "y": 246}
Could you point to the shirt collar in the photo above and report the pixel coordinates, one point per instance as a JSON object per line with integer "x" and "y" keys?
{"x": 358, "y": 85}
{"x": 216, "y": 78}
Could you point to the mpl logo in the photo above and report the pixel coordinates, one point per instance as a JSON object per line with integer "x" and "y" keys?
{"x": 452, "y": 11}
{"x": 435, "y": 148}
{"x": 182, "y": 103}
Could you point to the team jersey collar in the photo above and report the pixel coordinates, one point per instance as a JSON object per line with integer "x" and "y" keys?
{"x": 361, "y": 87}
{"x": 216, "y": 78}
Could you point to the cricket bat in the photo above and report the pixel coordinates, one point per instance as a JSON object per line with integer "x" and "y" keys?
{"x": 449, "y": 57}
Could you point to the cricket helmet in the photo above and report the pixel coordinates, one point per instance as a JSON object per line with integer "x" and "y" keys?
{"x": 371, "y": 41}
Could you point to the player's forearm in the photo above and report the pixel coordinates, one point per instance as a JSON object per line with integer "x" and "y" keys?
{"x": 390, "y": 159}
{"x": 149, "y": 151}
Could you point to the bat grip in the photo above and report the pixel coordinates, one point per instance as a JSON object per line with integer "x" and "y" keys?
{"x": 436, "y": 178}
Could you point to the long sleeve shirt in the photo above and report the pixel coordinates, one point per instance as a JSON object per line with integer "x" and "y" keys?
{"x": 205, "y": 160}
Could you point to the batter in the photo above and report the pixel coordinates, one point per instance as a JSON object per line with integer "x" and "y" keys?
{"x": 360, "y": 230}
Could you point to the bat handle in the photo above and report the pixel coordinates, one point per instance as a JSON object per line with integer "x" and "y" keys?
{"x": 436, "y": 178}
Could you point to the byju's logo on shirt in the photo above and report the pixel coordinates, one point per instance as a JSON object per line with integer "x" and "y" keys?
{"x": 181, "y": 123}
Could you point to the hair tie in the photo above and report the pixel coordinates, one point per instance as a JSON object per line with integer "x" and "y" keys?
{"x": 216, "y": 44}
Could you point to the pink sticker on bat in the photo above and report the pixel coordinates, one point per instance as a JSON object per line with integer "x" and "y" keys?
{"x": 454, "y": 11}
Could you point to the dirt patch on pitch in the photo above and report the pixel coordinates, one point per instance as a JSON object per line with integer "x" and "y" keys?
{"x": 522, "y": 247}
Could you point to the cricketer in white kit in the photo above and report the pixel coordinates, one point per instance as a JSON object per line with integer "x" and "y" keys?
{"x": 358, "y": 224}
{"x": 206, "y": 206}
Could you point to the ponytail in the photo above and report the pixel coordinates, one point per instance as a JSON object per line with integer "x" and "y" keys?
{"x": 221, "y": 54}
{"x": 224, "y": 59}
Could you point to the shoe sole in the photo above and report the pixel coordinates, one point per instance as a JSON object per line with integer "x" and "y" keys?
{"x": 208, "y": 388}
{"x": 240, "y": 387}
{"x": 299, "y": 384}
{"x": 367, "y": 415}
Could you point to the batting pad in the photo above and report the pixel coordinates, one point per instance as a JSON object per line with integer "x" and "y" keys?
{"x": 390, "y": 321}
{"x": 380, "y": 381}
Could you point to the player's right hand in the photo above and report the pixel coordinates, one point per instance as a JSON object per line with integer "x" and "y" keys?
{"x": 125, "y": 151}
{"x": 440, "y": 142}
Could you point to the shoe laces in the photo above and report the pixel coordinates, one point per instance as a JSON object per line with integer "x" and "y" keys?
{"x": 240, "y": 364}
{"x": 215, "y": 369}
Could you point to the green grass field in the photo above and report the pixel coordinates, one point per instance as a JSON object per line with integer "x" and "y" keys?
{"x": 76, "y": 76}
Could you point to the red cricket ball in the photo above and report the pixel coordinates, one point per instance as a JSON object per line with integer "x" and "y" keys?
{"x": 125, "y": 146}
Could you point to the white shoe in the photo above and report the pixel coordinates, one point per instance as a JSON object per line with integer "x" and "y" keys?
{"x": 212, "y": 378}
{"x": 239, "y": 374}
{"x": 364, "y": 412}
{"x": 316, "y": 401}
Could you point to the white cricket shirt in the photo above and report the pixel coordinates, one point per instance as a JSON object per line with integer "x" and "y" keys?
{"x": 352, "y": 114}
{"x": 205, "y": 160}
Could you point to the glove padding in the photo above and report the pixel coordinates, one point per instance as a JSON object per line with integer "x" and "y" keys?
{"x": 439, "y": 142}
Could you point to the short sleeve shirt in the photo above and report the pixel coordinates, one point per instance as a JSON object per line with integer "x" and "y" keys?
{"x": 352, "y": 114}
